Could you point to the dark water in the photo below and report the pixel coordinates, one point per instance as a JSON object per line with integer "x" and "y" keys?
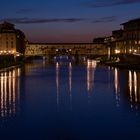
{"x": 64, "y": 101}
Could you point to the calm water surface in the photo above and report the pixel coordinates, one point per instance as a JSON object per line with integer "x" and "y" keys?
{"x": 64, "y": 101}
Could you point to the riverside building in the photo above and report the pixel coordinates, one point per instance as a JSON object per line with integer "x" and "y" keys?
{"x": 12, "y": 41}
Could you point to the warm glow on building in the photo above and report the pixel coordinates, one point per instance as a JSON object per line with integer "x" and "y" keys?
{"x": 117, "y": 51}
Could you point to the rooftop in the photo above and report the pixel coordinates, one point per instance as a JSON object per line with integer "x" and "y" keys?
{"x": 131, "y": 21}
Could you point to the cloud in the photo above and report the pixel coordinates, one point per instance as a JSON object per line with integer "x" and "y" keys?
{"x": 59, "y": 20}
{"x": 108, "y": 3}
{"x": 42, "y": 20}
{"x": 24, "y": 11}
{"x": 105, "y": 19}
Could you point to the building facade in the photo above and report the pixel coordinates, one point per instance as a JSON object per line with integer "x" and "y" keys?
{"x": 127, "y": 40}
{"x": 131, "y": 36}
{"x": 12, "y": 41}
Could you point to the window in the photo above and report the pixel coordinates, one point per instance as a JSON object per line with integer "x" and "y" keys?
{"x": 12, "y": 44}
{"x": 6, "y": 44}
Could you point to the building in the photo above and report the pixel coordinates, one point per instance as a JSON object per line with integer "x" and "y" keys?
{"x": 117, "y": 34}
{"x": 131, "y": 36}
{"x": 117, "y": 41}
{"x": 12, "y": 41}
{"x": 99, "y": 40}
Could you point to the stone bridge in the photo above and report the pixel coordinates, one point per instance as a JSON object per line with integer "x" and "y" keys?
{"x": 72, "y": 49}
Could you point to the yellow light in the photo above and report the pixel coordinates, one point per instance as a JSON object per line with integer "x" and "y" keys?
{"x": 130, "y": 50}
{"x": 135, "y": 51}
{"x": 13, "y": 51}
{"x": 4, "y": 51}
{"x": 117, "y": 51}
{"x": 18, "y": 55}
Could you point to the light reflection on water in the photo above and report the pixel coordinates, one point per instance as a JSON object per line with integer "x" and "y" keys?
{"x": 129, "y": 87}
{"x": 70, "y": 97}
{"x": 133, "y": 89}
{"x": 9, "y": 93}
{"x": 116, "y": 87}
{"x": 91, "y": 66}
{"x": 10, "y": 86}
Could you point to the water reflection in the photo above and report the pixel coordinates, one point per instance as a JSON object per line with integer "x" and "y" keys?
{"x": 58, "y": 86}
{"x": 59, "y": 67}
{"x": 10, "y": 92}
{"x": 133, "y": 86}
{"x": 116, "y": 86}
{"x": 70, "y": 84}
{"x": 127, "y": 82}
{"x": 57, "y": 82}
{"x": 91, "y": 66}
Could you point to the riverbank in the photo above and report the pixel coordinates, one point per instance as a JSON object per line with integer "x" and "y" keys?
{"x": 10, "y": 67}
{"x": 8, "y": 62}
{"x": 131, "y": 62}
{"x": 122, "y": 65}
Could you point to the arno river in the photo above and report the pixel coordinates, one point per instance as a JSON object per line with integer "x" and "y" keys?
{"x": 66, "y": 101}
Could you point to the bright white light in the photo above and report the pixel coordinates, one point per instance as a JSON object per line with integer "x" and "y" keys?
{"x": 130, "y": 50}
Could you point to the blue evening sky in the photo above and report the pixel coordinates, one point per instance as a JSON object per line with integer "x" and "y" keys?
{"x": 68, "y": 20}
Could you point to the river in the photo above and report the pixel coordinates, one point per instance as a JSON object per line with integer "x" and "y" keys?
{"x": 66, "y": 101}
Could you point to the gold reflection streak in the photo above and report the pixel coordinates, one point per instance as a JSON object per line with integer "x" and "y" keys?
{"x": 10, "y": 96}
{"x": 5, "y": 94}
{"x": 70, "y": 77}
{"x": 116, "y": 84}
{"x": 70, "y": 83}
{"x": 14, "y": 92}
{"x": 2, "y": 93}
{"x": 88, "y": 77}
{"x": 135, "y": 86}
{"x": 130, "y": 85}
{"x": 18, "y": 85}
{"x": 109, "y": 76}
{"x": 91, "y": 65}
{"x": 57, "y": 81}
{"x": 8, "y": 93}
